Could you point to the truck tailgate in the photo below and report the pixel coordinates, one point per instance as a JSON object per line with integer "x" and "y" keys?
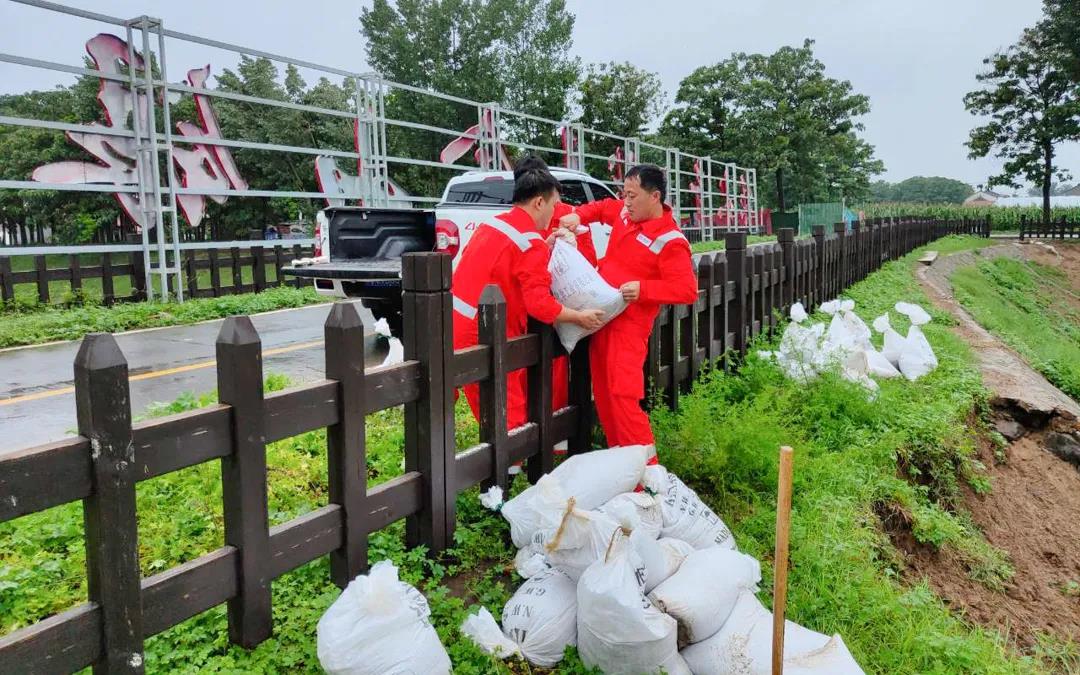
{"x": 368, "y": 268}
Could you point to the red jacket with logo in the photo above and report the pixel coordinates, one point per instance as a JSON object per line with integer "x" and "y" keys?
{"x": 507, "y": 251}
{"x": 653, "y": 252}
{"x": 584, "y": 241}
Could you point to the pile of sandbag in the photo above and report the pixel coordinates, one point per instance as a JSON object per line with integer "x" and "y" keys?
{"x": 844, "y": 344}
{"x": 639, "y": 581}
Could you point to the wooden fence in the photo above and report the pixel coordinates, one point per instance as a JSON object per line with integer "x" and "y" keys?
{"x": 741, "y": 292}
{"x": 1062, "y": 229}
{"x": 226, "y": 272}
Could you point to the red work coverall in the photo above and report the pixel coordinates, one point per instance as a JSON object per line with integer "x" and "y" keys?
{"x": 560, "y": 367}
{"x": 507, "y": 251}
{"x": 655, "y": 253}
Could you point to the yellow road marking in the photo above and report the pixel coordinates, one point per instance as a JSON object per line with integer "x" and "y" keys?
{"x": 60, "y": 391}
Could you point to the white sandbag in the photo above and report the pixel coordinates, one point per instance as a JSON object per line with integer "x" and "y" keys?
{"x": 917, "y": 314}
{"x": 485, "y": 632}
{"x": 744, "y": 647}
{"x": 917, "y": 358}
{"x": 395, "y": 354}
{"x": 619, "y": 630}
{"x": 580, "y": 538}
{"x": 541, "y": 617}
{"x": 661, "y": 557}
{"x": 528, "y": 562}
{"x": 839, "y": 339}
{"x": 591, "y": 478}
{"x": 879, "y": 365}
{"x": 646, "y": 507}
{"x": 594, "y": 478}
{"x": 830, "y": 307}
{"x": 379, "y": 625}
{"x": 538, "y": 506}
{"x": 856, "y": 368}
{"x": 798, "y": 313}
{"x": 576, "y": 284}
{"x": 685, "y": 516}
{"x": 703, "y": 592}
{"x": 857, "y": 328}
{"x": 894, "y": 343}
{"x": 847, "y": 305}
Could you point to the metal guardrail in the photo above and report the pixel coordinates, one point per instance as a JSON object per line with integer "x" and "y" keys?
{"x": 164, "y": 175}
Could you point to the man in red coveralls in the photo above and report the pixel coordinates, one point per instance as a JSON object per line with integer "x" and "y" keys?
{"x": 648, "y": 260}
{"x": 510, "y": 251}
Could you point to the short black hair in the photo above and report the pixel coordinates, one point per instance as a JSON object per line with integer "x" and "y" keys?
{"x": 533, "y": 179}
{"x": 651, "y": 177}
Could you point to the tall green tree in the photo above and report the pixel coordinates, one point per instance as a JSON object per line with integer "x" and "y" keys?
{"x": 1062, "y": 25}
{"x": 922, "y": 190}
{"x": 501, "y": 51}
{"x": 1032, "y": 106}
{"x": 619, "y": 98}
{"x": 781, "y": 114}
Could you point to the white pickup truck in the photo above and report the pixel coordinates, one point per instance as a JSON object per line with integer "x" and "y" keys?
{"x": 358, "y": 249}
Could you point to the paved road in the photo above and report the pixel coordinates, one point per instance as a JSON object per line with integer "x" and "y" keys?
{"x": 37, "y": 404}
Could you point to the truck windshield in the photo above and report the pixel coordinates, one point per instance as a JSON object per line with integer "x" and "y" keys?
{"x": 498, "y": 192}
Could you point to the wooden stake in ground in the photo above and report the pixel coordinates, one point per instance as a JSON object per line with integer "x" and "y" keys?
{"x": 783, "y": 528}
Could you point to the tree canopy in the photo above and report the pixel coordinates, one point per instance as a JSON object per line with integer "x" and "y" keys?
{"x": 921, "y": 189}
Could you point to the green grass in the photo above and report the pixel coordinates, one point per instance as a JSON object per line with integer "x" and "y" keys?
{"x": 718, "y": 245}
{"x": 36, "y": 325}
{"x": 1028, "y": 306}
{"x": 908, "y": 448}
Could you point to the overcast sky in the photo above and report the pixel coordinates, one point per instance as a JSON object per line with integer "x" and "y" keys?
{"x": 914, "y": 58}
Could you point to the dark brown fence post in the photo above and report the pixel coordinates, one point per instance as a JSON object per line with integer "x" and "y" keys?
{"x": 788, "y": 269}
{"x": 7, "y": 285}
{"x": 429, "y": 421}
{"x": 705, "y": 320}
{"x": 258, "y": 268}
{"x": 279, "y": 262}
{"x": 721, "y": 296}
{"x": 753, "y": 286}
{"x": 108, "y": 294}
{"x": 776, "y": 281}
{"x": 686, "y": 319}
{"x": 243, "y": 479}
{"x": 843, "y": 266}
{"x": 215, "y": 272}
{"x": 493, "y": 413}
{"x": 857, "y": 247}
{"x": 103, "y": 409}
{"x": 192, "y": 272}
{"x": 237, "y": 271}
{"x": 540, "y": 411}
{"x": 42, "y": 279}
{"x": 138, "y": 275}
{"x": 819, "y": 285}
{"x": 346, "y": 451}
{"x": 581, "y": 398}
{"x": 297, "y": 282}
{"x": 76, "y": 272}
{"x": 735, "y": 249}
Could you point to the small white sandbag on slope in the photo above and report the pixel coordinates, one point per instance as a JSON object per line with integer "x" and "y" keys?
{"x": 619, "y": 630}
{"x": 576, "y": 284}
{"x": 744, "y": 647}
{"x": 703, "y": 592}
{"x": 541, "y": 617}
{"x": 686, "y": 517}
{"x": 893, "y": 345}
{"x": 918, "y": 315}
{"x": 917, "y": 358}
{"x": 378, "y": 626}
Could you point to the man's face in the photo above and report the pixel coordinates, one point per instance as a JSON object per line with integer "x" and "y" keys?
{"x": 546, "y": 209}
{"x": 638, "y": 200}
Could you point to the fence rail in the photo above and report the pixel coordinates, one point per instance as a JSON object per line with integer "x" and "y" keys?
{"x": 1062, "y": 229}
{"x": 228, "y": 267}
{"x": 742, "y": 292}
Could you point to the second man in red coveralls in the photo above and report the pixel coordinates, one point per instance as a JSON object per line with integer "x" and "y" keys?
{"x": 648, "y": 260}
{"x": 510, "y": 251}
